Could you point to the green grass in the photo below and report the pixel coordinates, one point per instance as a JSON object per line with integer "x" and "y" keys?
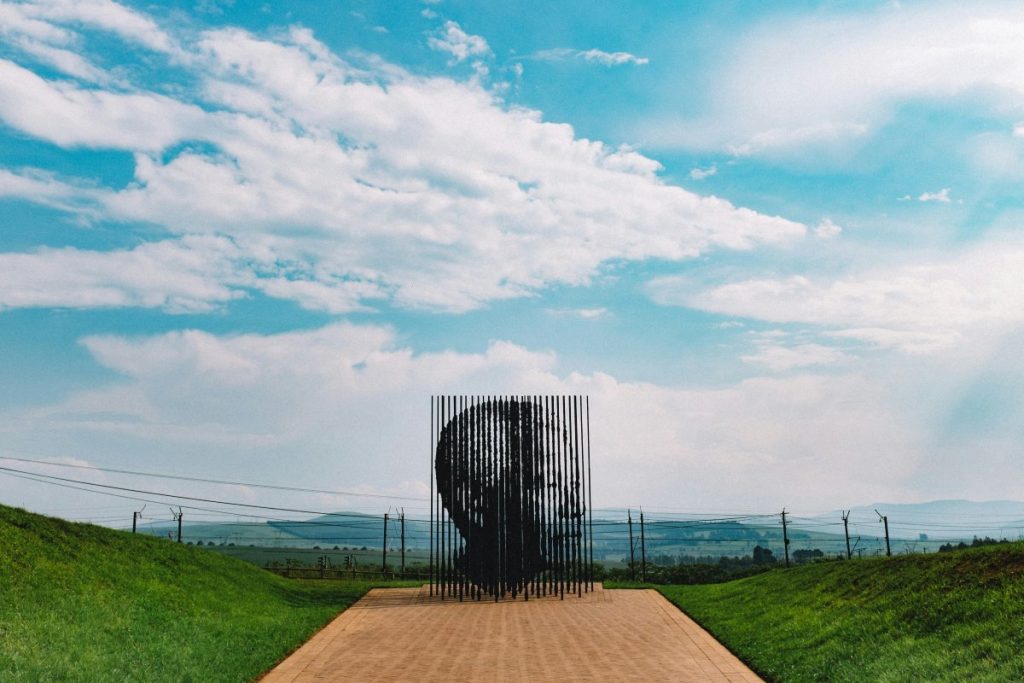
{"x": 940, "y": 617}
{"x": 84, "y": 603}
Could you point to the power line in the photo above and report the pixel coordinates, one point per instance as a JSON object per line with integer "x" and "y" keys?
{"x": 168, "y": 495}
{"x": 297, "y": 489}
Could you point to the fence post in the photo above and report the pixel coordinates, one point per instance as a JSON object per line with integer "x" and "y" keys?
{"x": 885, "y": 521}
{"x": 384, "y": 557}
{"x": 846, "y": 531}
{"x": 402, "y": 527}
{"x": 632, "y": 559}
{"x": 643, "y": 550}
{"x": 785, "y": 536}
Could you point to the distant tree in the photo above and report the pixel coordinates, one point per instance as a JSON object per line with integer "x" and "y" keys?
{"x": 804, "y": 555}
{"x": 763, "y": 555}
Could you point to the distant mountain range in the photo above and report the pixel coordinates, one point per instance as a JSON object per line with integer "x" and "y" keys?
{"x": 954, "y": 519}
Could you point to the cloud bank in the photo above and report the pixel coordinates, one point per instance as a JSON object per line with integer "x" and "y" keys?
{"x": 344, "y": 181}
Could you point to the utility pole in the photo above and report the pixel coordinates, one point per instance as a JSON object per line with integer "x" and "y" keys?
{"x": 384, "y": 560}
{"x": 632, "y": 560}
{"x": 643, "y": 550}
{"x": 785, "y": 536}
{"x": 885, "y": 521}
{"x": 136, "y": 516}
{"x": 846, "y": 530}
{"x": 177, "y": 516}
{"x": 402, "y": 518}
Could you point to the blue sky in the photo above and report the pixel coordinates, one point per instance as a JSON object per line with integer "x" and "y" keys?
{"x": 779, "y": 246}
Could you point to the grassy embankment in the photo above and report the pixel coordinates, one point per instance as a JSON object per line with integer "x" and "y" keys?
{"x": 940, "y": 617}
{"x": 84, "y": 603}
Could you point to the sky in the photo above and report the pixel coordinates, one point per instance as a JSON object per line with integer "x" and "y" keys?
{"x": 778, "y": 245}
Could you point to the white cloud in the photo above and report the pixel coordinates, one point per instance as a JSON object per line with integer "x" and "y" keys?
{"x": 784, "y": 138}
{"x": 592, "y": 55}
{"x": 832, "y": 79}
{"x": 66, "y": 61}
{"x": 331, "y": 398}
{"x": 43, "y": 26}
{"x": 924, "y": 307}
{"x": 702, "y": 173}
{"x": 461, "y": 45}
{"x": 189, "y": 276}
{"x": 940, "y": 196}
{"x": 193, "y": 274}
{"x": 778, "y": 358}
{"x": 106, "y": 15}
{"x": 365, "y": 180}
{"x": 826, "y": 229}
{"x": 910, "y": 341}
{"x": 70, "y": 116}
{"x": 583, "y": 313}
{"x": 611, "y": 58}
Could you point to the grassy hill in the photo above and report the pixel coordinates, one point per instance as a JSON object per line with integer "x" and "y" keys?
{"x": 84, "y": 603}
{"x": 955, "y": 616}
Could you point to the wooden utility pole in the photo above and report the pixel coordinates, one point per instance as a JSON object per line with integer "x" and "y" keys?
{"x": 384, "y": 557}
{"x": 632, "y": 559}
{"x": 402, "y": 527}
{"x": 846, "y": 530}
{"x": 136, "y": 516}
{"x": 785, "y": 536}
{"x": 885, "y": 521}
{"x": 643, "y": 550}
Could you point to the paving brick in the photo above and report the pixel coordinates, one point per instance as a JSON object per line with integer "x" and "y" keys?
{"x": 402, "y": 634}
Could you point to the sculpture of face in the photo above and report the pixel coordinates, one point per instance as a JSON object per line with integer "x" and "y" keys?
{"x": 508, "y": 473}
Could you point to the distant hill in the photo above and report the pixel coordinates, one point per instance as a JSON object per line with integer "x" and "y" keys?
{"x": 668, "y": 538}
{"x": 953, "y": 519}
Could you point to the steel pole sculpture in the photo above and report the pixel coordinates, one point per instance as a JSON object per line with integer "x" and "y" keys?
{"x": 512, "y": 504}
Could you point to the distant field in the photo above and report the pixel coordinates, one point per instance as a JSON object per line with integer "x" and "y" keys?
{"x": 359, "y": 559}
{"x": 84, "y": 603}
{"x": 955, "y": 616}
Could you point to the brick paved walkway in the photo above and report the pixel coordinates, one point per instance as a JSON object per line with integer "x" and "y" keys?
{"x": 399, "y": 634}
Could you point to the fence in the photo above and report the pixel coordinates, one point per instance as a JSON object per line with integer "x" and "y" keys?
{"x": 618, "y": 538}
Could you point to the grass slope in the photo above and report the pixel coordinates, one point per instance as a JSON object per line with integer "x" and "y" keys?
{"x": 84, "y": 603}
{"x": 942, "y": 617}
